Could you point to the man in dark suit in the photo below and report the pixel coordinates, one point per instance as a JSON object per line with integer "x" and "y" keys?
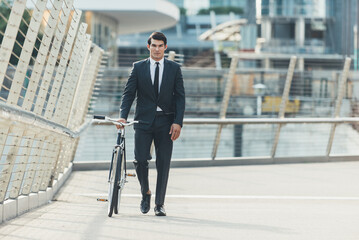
{"x": 158, "y": 85}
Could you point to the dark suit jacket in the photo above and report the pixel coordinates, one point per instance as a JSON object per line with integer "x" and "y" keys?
{"x": 171, "y": 98}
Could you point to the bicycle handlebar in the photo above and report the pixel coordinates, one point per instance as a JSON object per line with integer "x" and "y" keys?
{"x": 99, "y": 117}
{"x": 105, "y": 119}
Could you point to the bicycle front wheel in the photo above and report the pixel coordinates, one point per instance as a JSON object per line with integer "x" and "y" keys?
{"x": 113, "y": 184}
{"x": 122, "y": 180}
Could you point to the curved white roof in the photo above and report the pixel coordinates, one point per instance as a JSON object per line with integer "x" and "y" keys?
{"x": 227, "y": 31}
{"x": 134, "y": 15}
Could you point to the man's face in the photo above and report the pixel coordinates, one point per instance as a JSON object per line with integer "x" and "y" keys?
{"x": 157, "y": 49}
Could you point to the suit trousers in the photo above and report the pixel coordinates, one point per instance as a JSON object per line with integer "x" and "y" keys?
{"x": 159, "y": 133}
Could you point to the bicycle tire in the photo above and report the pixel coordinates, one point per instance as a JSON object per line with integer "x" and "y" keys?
{"x": 122, "y": 180}
{"x": 116, "y": 201}
{"x": 113, "y": 186}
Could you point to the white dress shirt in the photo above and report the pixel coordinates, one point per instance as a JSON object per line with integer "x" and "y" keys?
{"x": 152, "y": 70}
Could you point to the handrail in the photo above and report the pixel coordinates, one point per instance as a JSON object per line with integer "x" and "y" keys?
{"x": 15, "y": 114}
{"x": 227, "y": 121}
{"x": 269, "y": 120}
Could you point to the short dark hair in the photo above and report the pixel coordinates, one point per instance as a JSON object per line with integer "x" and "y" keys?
{"x": 157, "y": 36}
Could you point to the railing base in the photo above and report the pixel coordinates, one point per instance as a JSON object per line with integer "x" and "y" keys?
{"x": 12, "y": 208}
{"x": 207, "y": 162}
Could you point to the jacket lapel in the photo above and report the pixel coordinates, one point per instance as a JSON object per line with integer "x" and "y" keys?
{"x": 164, "y": 77}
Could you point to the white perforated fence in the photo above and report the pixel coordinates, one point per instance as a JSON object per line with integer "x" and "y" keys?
{"x": 48, "y": 70}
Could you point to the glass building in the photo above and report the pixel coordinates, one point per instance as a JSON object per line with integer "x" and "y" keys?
{"x": 178, "y": 3}
{"x": 228, "y": 3}
{"x": 308, "y": 26}
{"x": 318, "y": 31}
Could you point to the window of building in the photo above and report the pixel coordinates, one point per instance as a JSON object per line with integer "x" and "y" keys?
{"x": 107, "y": 32}
{"x": 283, "y": 30}
{"x": 279, "y": 7}
{"x": 99, "y": 33}
{"x": 265, "y": 7}
{"x": 313, "y": 33}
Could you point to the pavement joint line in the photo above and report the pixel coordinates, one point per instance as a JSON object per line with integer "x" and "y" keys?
{"x": 259, "y": 197}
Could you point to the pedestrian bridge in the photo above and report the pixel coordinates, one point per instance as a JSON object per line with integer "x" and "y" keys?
{"x": 230, "y": 175}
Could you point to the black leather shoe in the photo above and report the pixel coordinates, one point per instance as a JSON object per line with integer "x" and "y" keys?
{"x": 145, "y": 203}
{"x": 160, "y": 210}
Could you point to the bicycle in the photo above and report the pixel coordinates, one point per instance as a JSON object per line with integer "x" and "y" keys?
{"x": 117, "y": 173}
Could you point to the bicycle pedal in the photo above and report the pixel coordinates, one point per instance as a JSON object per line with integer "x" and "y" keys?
{"x": 131, "y": 175}
{"x": 102, "y": 200}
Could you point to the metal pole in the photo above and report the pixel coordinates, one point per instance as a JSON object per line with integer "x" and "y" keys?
{"x": 172, "y": 55}
{"x": 338, "y": 102}
{"x": 85, "y": 56}
{"x": 283, "y": 104}
{"x": 355, "y": 30}
{"x": 259, "y": 105}
{"x": 8, "y": 41}
{"x": 217, "y": 57}
{"x": 224, "y": 105}
{"x": 357, "y": 38}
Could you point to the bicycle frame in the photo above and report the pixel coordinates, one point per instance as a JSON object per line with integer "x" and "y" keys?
{"x": 120, "y": 146}
{"x": 118, "y": 171}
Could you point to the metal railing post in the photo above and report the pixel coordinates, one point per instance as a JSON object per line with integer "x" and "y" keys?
{"x": 52, "y": 58}
{"x": 225, "y": 101}
{"x": 85, "y": 89}
{"x": 4, "y": 131}
{"x": 97, "y": 58}
{"x": 80, "y": 79}
{"x": 44, "y": 154}
{"x": 10, "y": 160}
{"x": 53, "y": 156}
{"x": 65, "y": 57}
{"x": 23, "y": 162}
{"x": 283, "y": 104}
{"x": 26, "y": 53}
{"x": 172, "y": 55}
{"x": 72, "y": 77}
{"x": 59, "y": 161}
{"x": 30, "y": 176}
{"x": 338, "y": 103}
{"x": 11, "y": 31}
{"x": 42, "y": 55}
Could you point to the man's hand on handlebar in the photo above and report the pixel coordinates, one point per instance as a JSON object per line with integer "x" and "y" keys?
{"x": 122, "y": 120}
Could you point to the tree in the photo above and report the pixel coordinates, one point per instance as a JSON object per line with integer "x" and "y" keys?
{"x": 183, "y": 11}
{"x": 221, "y": 10}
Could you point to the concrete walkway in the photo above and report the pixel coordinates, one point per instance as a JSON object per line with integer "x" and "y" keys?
{"x": 290, "y": 201}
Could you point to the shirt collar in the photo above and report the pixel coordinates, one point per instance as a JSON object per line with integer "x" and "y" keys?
{"x": 153, "y": 62}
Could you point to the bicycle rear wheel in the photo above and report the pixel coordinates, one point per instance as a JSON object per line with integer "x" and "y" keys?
{"x": 113, "y": 184}
{"x": 122, "y": 180}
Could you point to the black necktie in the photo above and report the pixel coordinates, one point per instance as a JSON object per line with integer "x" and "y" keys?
{"x": 157, "y": 77}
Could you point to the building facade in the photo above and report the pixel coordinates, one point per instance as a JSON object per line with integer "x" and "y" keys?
{"x": 107, "y": 19}
{"x": 183, "y": 38}
{"x": 228, "y": 3}
{"x": 314, "y": 30}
